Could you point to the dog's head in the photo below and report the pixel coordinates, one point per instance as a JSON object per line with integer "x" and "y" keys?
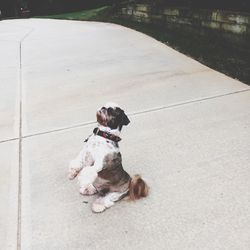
{"x": 112, "y": 116}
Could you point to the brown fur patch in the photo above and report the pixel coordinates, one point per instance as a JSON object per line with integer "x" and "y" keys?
{"x": 112, "y": 177}
{"x": 138, "y": 188}
{"x": 101, "y": 118}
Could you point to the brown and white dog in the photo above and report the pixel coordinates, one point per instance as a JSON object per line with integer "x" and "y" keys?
{"x": 99, "y": 164}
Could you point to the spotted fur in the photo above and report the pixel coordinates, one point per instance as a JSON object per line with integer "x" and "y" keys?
{"x": 98, "y": 166}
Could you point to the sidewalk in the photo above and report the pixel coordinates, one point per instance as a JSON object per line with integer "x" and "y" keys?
{"x": 189, "y": 137}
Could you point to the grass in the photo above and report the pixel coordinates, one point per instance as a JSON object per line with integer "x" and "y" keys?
{"x": 85, "y": 15}
{"x": 224, "y": 54}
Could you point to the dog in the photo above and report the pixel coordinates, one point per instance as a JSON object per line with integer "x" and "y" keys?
{"x": 98, "y": 166}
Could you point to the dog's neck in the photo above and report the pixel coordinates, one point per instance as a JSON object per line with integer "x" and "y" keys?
{"x": 115, "y": 132}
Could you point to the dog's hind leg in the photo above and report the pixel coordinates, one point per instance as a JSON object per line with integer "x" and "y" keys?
{"x": 102, "y": 203}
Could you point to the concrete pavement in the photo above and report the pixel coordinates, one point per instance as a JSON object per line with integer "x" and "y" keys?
{"x": 189, "y": 137}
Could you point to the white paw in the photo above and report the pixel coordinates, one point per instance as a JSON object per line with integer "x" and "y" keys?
{"x": 72, "y": 174}
{"x": 98, "y": 208}
{"x": 89, "y": 190}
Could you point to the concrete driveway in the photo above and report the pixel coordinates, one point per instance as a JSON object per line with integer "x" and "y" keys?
{"x": 189, "y": 137}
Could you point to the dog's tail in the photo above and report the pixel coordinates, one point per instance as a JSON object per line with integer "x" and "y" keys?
{"x": 137, "y": 188}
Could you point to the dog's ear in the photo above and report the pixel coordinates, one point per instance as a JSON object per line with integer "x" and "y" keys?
{"x": 125, "y": 120}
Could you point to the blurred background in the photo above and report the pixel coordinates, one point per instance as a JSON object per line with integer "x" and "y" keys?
{"x": 27, "y": 8}
{"x": 213, "y": 32}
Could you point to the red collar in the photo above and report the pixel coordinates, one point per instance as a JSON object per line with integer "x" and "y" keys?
{"x": 106, "y": 135}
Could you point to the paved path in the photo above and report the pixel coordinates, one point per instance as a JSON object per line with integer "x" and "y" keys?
{"x": 189, "y": 137}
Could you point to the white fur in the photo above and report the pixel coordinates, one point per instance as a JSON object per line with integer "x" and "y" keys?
{"x": 105, "y": 202}
{"x": 116, "y": 132}
{"x": 90, "y": 160}
{"x": 111, "y": 105}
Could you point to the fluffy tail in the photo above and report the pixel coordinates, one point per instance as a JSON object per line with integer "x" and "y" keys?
{"x": 137, "y": 188}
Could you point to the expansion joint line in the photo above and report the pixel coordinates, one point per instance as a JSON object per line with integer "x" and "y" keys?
{"x": 136, "y": 113}
{"x": 20, "y": 137}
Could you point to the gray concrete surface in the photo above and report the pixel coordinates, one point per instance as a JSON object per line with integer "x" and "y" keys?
{"x": 189, "y": 137}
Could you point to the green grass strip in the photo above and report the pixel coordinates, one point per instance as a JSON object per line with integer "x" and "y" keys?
{"x": 85, "y": 15}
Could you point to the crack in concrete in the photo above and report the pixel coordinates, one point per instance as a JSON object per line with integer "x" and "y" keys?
{"x": 9, "y": 140}
{"x": 187, "y": 102}
{"x": 20, "y": 143}
{"x": 85, "y": 124}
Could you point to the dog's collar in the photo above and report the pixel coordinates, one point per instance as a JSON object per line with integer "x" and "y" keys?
{"x": 106, "y": 135}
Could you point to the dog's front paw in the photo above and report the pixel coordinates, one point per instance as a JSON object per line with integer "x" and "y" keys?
{"x": 89, "y": 190}
{"x": 72, "y": 173}
{"x": 74, "y": 168}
